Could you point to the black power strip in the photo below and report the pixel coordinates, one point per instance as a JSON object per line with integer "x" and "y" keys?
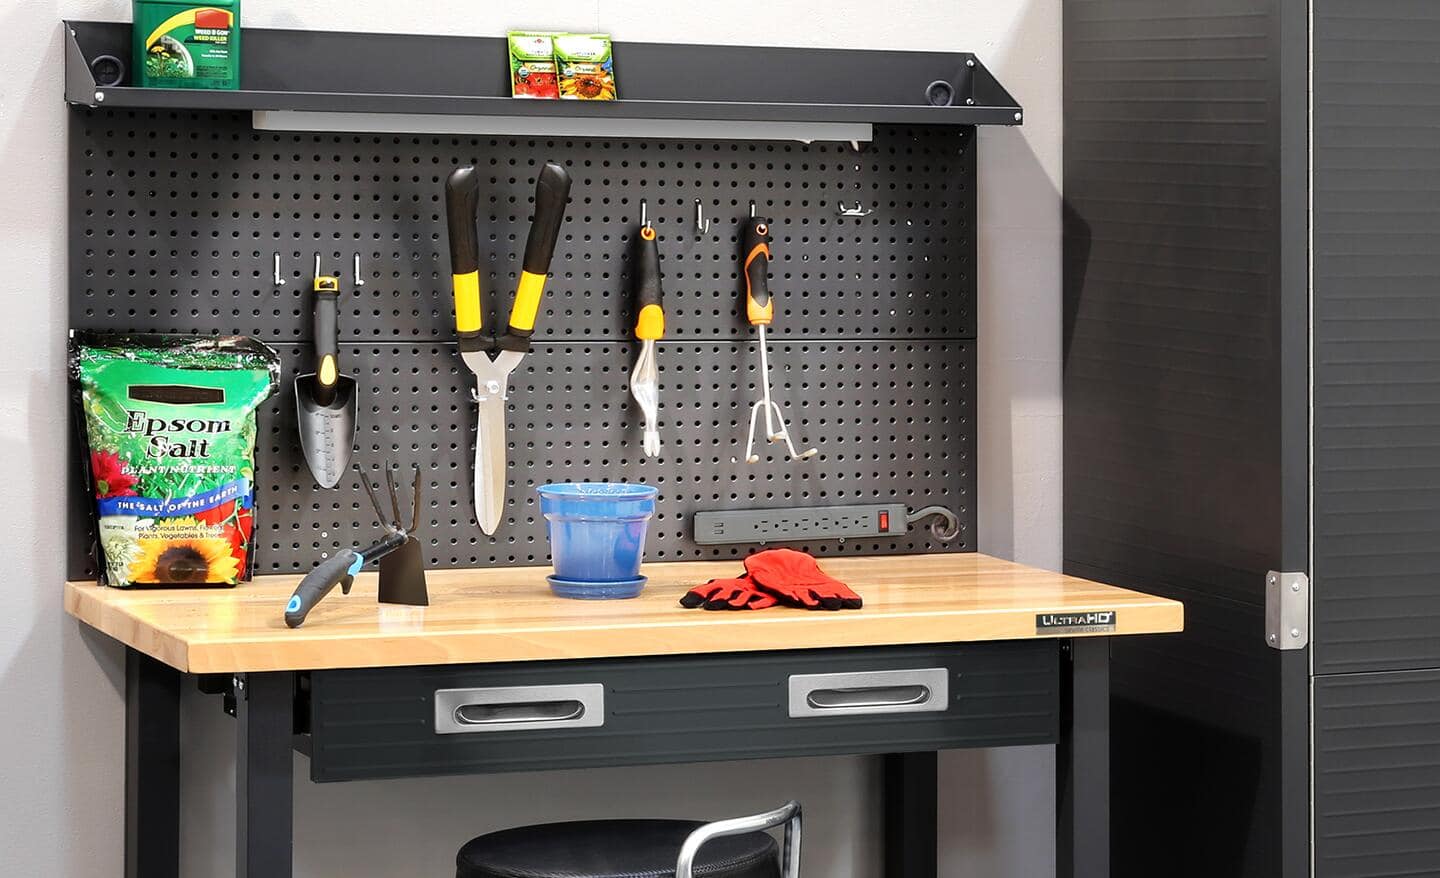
{"x": 799, "y": 524}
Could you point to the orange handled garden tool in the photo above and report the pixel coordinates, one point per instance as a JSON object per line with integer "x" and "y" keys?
{"x": 760, "y": 311}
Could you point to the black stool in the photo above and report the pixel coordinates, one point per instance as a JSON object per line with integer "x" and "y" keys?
{"x": 736, "y": 848}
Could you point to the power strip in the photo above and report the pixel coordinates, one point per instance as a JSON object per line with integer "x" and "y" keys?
{"x": 800, "y": 523}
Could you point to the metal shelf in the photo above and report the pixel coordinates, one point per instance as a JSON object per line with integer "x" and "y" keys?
{"x": 402, "y": 74}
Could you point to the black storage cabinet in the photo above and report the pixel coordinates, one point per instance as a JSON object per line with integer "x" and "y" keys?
{"x": 1205, "y": 387}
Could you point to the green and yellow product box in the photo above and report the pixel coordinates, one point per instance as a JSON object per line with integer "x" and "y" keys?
{"x": 178, "y": 44}
{"x": 587, "y": 67}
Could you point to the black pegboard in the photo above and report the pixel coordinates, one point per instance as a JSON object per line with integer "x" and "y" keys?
{"x": 175, "y": 217}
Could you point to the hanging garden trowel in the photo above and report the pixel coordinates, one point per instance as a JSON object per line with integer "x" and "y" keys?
{"x": 325, "y": 399}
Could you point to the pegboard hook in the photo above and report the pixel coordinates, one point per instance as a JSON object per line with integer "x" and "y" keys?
{"x": 644, "y": 215}
{"x": 279, "y": 279}
{"x": 702, "y": 225}
{"x": 857, "y": 210}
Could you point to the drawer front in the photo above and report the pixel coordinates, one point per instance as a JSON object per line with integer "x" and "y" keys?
{"x": 463, "y": 719}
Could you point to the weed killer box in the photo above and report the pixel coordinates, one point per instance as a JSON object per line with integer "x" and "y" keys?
{"x": 182, "y": 45}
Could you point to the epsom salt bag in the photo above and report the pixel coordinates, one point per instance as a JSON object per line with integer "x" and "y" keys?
{"x": 171, "y": 427}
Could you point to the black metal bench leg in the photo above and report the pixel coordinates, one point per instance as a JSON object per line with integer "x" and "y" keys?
{"x": 264, "y": 808}
{"x": 911, "y": 815}
{"x": 152, "y": 768}
{"x": 1082, "y": 760}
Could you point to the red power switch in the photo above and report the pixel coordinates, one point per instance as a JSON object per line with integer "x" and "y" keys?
{"x": 884, "y": 522}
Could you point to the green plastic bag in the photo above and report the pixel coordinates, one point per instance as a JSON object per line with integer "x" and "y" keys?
{"x": 171, "y": 427}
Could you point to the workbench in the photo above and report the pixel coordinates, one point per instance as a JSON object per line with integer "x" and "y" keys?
{"x": 950, "y": 651}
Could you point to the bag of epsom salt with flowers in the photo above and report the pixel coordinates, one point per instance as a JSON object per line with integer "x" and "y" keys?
{"x": 171, "y": 427}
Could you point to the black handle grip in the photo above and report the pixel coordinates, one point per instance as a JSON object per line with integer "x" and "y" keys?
{"x": 756, "y": 255}
{"x": 552, "y": 190}
{"x": 462, "y": 203}
{"x": 338, "y": 570}
{"x": 327, "y": 339}
{"x": 649, "y": 295}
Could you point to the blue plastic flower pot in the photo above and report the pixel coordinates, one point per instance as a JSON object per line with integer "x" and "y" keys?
{"x": 597, "y": 535}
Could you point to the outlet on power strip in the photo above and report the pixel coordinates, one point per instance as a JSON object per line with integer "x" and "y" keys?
{"x": 800, "y": 524}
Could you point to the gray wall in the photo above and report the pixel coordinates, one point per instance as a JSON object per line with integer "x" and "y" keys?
{"x": 61, "y": 747}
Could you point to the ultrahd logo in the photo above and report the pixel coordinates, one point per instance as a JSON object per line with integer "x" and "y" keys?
{"x": 1094, "y": 622}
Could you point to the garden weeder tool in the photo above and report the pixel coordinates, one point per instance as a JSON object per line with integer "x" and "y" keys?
{"x": 402, "y": 566}
{"x": 760, "y": 311}
{"x": 649, "y": 328}
{"x": 492, "y": 373}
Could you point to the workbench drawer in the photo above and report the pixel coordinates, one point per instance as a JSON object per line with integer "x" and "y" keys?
{"x": 461, "y": 719}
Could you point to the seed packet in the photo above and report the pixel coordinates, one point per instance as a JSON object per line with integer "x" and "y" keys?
{"x": 532, "y": 65}
{"x": 587, "y": 67}
{"x": 170, "y": 424}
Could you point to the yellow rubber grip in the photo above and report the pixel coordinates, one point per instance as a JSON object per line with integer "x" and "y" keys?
{"x": 527, "y": 301}
{"x": 328, "y": 372}
{"x": 651, "y": 323}
{"x": 467, "y": 302}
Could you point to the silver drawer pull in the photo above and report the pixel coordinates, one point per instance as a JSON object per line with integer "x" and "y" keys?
{"x": 538, "y": 712}
{"x": 922, "y": 690}
{"x": 873, "y": 696}
{"x": 519, "y": 708}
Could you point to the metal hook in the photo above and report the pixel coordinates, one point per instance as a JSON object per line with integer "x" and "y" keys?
{"x": 317, "y": 266}
{"x": 644, "y": 215}
{"x": 359, "y": 281}
{"x": 702, "y": 225}
{"x": 752, "y": 208}
{"x": 857, "y": 210}
{"x": 946, "y": 527}
{"x": 279, "y": 281}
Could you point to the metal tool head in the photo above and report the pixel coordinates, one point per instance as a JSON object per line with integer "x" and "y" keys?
{"x": 645, "y": 388}
{"x": 402, "y": 576}
{"x": 775, "y": 429}
{"x": 327, "y": 432}
{"x": 773, "y": 417}
{"x": 492, "y": 379}
{"x": 393, "y": 521}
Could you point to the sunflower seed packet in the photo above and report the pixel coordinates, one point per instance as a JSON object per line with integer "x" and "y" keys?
{"x": 170, "y": 423}
{"x": 587, "y": 67}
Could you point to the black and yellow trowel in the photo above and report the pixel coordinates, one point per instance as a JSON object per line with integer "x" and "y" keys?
{"x": 325, "y": 399}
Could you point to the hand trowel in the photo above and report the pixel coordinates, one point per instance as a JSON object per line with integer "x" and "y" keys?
{"x": 325, "y": 399}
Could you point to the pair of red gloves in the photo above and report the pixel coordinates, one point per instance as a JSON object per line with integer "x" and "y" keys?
{"x": 775, "y": 576}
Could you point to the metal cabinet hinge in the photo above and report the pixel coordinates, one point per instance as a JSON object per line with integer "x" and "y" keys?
{"x": 1287, "y": 610}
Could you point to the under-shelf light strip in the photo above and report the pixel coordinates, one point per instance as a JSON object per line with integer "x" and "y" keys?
{"x": 512, "y": 126}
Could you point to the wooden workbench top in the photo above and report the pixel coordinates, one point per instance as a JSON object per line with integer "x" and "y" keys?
{"x": 508, "y": 614}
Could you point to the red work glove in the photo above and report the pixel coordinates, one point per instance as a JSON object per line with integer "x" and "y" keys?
{"x": 727, "y": 594}
{"x": 796, "y": 579}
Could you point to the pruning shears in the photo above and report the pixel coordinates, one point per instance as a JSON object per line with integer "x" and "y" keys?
{"x": 490, "y": 357}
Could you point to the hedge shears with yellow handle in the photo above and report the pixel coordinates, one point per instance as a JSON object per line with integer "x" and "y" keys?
{"x": 493, "y": 357}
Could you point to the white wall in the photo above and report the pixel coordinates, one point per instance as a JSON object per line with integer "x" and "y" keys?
{"x": 60, "y": 688}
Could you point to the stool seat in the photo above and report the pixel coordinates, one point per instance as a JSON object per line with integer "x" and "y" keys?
{"x": 613, "y": 849}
